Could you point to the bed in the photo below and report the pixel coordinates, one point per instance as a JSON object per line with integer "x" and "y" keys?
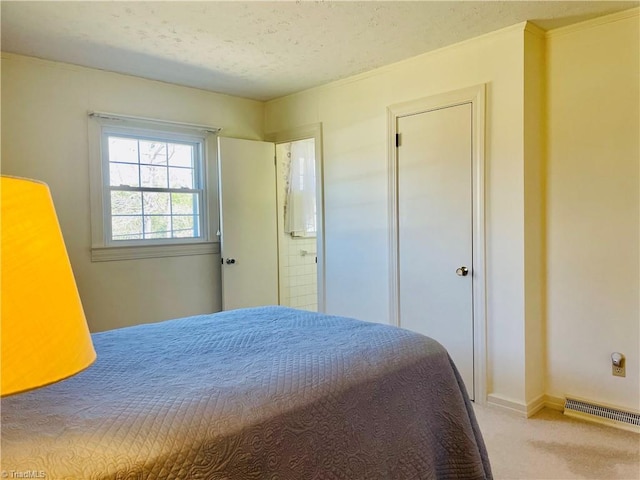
{"x": 260, "y": 393}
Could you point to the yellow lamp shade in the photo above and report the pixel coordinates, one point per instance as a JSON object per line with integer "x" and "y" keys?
{"x": 45, "y": 337}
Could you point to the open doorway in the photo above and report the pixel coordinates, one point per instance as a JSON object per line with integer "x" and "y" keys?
{"x": 297, "y": 223}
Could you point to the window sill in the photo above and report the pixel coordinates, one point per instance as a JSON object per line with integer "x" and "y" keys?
{"x": 108, "y": 254}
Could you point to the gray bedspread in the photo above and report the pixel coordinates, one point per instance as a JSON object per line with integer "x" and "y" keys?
{"x": 263, "y": 393}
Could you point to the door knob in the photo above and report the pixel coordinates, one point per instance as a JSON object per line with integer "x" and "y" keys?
{"x": 230, "y": 261}
{"x": 462, "y": 271}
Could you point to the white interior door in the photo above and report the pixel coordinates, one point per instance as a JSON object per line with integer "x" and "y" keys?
{"x": 435, "y": 215}
{"x": 249, "y": 244}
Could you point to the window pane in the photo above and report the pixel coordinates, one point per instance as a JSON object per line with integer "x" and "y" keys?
{"x": 126, "y": 227}
{"x": 143, "y": 171}
{"x": 126, "y": 203}
{"x": 123, "y": 150}
{"x": 184, "y": 226}
{"x": 180, "y": 155}
{"x": 123, "y": 174}
{"x": 154, "y": 177}
{"x": 180, "y": 178}
{"x": 157, "y": 226}
{"x": 153, "y": 153}
{"x": 156, "y": 203}
{"x": 184, "y": 203}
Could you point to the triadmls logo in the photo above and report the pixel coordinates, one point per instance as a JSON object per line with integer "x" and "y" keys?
{"x": 24, "y": 474}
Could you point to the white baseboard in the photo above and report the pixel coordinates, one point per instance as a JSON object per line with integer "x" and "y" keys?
{"x": 529, "y": 409}
{"x": 554, "y": 403}
{"x": 507, "y": 403}
{"x": 557, "y": 403}
{"x": 535, "y": 405}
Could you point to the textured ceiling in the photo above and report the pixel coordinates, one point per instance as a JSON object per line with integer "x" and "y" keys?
{"x": 262, "y": 50}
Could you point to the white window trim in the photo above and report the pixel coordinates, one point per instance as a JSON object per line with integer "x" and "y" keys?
{"x": 102, "y": 247}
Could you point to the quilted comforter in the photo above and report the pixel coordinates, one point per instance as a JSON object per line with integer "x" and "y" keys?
{"x": 263, "y": 393}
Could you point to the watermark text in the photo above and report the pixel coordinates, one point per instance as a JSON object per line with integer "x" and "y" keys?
{"x": 23, "y": 474}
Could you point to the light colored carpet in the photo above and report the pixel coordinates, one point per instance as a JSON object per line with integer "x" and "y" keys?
{"x": 552, "y": 446}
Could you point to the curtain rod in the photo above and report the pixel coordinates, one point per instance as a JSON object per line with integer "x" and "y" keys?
{"x": 115, "y": 116}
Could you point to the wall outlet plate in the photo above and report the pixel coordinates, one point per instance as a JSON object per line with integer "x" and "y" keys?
{"x": 618, "y": 371}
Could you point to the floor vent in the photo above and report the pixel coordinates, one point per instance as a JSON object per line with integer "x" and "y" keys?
{"x": 601, "y": 414}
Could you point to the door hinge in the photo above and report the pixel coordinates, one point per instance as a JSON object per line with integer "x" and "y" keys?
{"x": 397, "y": 139}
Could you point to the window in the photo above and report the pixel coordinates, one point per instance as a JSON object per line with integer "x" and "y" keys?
{"x": 300, "y": 203}
{"x": 152, "y": 189}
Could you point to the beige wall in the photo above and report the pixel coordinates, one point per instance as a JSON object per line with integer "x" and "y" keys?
{"x": 534, "y": 206}
{"x": 44, "y": 136}
{"x": 593, "y": 209}
{"x": 353, "y": 116}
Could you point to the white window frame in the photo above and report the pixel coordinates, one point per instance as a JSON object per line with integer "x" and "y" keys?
{"x": 104, "y": 248}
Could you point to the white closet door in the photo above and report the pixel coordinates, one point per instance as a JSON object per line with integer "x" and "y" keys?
{"x": 435, "y": 230}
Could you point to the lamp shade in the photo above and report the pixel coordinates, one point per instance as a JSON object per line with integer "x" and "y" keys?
{"x": 45, "y": 337}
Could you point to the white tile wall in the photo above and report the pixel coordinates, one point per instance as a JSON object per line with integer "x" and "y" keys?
{"x": 298, "y": 279}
